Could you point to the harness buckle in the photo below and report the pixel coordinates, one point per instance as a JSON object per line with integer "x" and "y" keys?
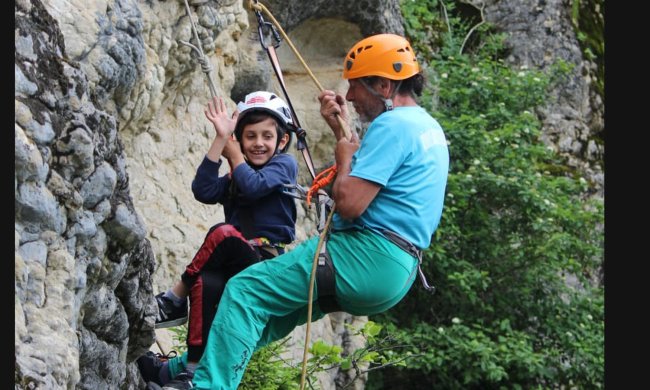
{"x": 324, "y": 206}
{"x": 411, "y": 249}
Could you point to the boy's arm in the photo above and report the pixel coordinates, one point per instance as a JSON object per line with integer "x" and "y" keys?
{"x": 207, "y": 186}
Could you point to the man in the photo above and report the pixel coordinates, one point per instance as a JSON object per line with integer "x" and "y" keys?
{"x": 389, "y": 193}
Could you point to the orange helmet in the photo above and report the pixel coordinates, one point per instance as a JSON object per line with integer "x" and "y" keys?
{"x": 385, "y": 55}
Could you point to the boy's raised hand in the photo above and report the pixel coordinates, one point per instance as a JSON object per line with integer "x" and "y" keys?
{"x": 217, "y": 113}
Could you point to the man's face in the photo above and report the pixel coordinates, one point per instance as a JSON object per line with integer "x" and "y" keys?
{"x": 367, "y": 105}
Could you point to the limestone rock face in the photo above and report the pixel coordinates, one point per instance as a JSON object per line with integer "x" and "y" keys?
{"x": 109, "y": 129}
{"x": 539, "y": 34}
{"x": 83, "y": 261}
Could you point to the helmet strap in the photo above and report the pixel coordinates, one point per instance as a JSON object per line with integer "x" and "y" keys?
{"x": 388, "y": 102}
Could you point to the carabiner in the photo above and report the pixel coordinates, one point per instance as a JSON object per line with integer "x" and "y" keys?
{"x": 295, "y": 190}
{"x": 260, "y": 30}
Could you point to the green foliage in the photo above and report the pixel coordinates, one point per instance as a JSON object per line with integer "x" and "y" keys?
{"x": 427, "y": 31}
{"x": 179, "y": 335}
{"x": 267, "y": 370}
{"x": 518, "y": 253}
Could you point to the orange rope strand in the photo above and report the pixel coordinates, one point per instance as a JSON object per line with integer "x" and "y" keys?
{"x": 320, "y": 181}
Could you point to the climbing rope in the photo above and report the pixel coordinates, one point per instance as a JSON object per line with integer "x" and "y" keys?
{"x": 255, "y": 5}
{"x": 206, "y": 67}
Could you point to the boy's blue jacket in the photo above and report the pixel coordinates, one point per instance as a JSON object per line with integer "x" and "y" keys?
{"x": 256, "y": 188}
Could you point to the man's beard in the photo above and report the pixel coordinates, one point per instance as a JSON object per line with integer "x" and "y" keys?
{"x": 368, "y": 113}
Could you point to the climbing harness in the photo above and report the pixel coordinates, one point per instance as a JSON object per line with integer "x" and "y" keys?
{"x": 412, "y": 250}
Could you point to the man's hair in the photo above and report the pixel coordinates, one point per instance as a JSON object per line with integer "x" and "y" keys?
{"x": 411, "y": 86}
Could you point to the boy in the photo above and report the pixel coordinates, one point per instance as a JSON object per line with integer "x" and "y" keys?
{"x": 259, "y": 218}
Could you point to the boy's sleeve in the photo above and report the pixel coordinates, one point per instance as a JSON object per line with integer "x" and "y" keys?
{"x": 207, "y": 186}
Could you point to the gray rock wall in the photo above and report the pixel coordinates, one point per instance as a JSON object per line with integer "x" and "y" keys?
{"x": 83, "y": 264}
{"x": 539, "y": 34}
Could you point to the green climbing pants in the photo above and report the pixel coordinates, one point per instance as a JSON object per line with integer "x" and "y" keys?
{"x": 266, "y": 301}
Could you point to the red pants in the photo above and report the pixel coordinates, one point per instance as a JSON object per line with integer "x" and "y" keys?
{"x": 224, "y": 253}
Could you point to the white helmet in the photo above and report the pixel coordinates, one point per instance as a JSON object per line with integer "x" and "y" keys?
{"x": 268, "y": 102}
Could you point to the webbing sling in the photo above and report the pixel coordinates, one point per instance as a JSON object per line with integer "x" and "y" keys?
{"x": 323, "y": 202}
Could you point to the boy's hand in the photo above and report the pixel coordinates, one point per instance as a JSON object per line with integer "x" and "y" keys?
{"x": 232, "y": 152}
{"x": 217, "y": 113}
{"x": 232, "y": 148}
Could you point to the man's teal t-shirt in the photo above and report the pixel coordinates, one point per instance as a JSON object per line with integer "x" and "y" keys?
{"x": 404, "y": 151}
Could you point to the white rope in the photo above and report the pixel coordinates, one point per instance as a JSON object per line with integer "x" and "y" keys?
{"x": 206, "y": 67}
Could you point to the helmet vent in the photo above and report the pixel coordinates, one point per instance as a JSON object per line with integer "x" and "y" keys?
{"x": 348, "y": 64}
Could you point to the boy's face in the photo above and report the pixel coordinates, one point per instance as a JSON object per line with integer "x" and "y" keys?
{"x": 259, "y": 141}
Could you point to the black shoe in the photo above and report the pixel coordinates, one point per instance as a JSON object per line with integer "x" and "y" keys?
{"x": 150, "y": 364}
{"x": 169, "y": 314}
{"x": 182, "y": 381}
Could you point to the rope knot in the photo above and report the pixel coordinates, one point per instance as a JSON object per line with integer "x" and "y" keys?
{"x": 206, "y": 66}
{"x": 321, "y": 180}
